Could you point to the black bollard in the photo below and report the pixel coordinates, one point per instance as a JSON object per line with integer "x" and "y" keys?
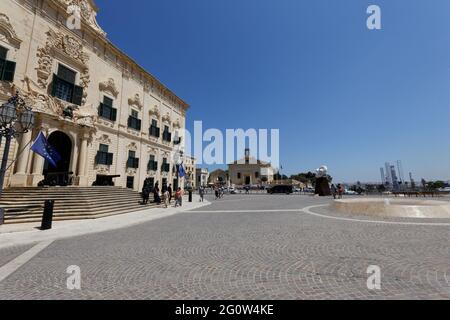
{"x": 47, "y": 217}
{"x": 190, "y": 195}
{"x": 2, "y": 216}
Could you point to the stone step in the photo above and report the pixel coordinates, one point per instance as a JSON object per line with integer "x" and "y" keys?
{"x": 27, "y": 204}
{"x": 69, "y": 212}
{"x": 76, "y": 217}
{"x": 64, "y": 210}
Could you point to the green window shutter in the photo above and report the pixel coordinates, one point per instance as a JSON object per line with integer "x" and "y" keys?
{"x": 2, "y": 66}
{"x": 77, "y": 95}
{"x": 114, "y": 114}
{"x": 9, "y": 71}
{"x": 100, "y": 109}
{"x": 110, "y": 159}
{"x": 54, "y": 84}
{"x": 108, "y": 101}
{"x": 3, "y": 53}
{"x": 66, "y": 74}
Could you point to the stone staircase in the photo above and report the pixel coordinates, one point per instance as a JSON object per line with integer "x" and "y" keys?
{"x": 71, "y": 203}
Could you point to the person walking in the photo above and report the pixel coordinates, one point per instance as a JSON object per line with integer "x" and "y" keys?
{"x": 179, "y": 198}
{"x": 340, "y": 191}
{"x": 169, "y": 189}
{"x": 146, "y": 190}
{"x": 156, "y": 194}
{"x": 201, "y": 192}
{"x": 333, "y": 191}
{"x": 166, "y": 198}
{"x": 216, "y": 191}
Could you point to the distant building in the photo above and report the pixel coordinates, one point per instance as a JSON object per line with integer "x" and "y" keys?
{"x": 394, "y": 178}
{"x": 190, "y": 164}
{"x": 383, "y": 177}
{"x": 218, "y": 176}
{"x": 201, "y": 176}
{"x": 248, "y": 171}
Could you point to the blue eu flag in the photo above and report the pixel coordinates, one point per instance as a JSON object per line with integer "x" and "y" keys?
{"x": 181, "y": 171}
{"x": 44, "y": 149}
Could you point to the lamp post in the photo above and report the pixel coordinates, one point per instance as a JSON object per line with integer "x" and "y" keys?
{"x": 15, "y": 119}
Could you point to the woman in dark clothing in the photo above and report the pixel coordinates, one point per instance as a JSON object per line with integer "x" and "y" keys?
{"x": 156, "y": 193}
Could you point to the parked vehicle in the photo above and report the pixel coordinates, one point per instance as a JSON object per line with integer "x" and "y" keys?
{"x": 231, "y": 190}
{"x": 281, "y": 189}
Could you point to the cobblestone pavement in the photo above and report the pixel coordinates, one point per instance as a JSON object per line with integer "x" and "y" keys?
{"x": 236, "y": 249}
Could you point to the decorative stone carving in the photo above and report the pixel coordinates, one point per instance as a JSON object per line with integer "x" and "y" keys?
{"x": 131, "y": 171}
{"x": 154, "y": 112}
{"x": 71, "y": 48}
{"x": 177, "y": 124}
{"x": 102, "y": 169}
{"x": 109, "y": 86}
{"x": 7, "y": 31}
{"x": 86, "y": 116}
{"x": 6, "y": 90}
{"x": 152, "y": 151}
{"x": 104, "y": 139}
{"x": 88, "y": 12}
{"x": 166, "y": 118}
{"x": 136, "y": 101}
{"x": 132, "y": 146}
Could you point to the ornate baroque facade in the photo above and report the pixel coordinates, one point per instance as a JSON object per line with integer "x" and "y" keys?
{"x": 108, "y": 115}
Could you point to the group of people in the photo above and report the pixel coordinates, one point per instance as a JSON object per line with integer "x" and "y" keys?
{"x": 219, "y": 192}
{"x": 161, "y": 196}
{"x": 337, "y": 191}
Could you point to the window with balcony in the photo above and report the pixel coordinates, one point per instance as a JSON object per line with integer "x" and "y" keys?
{"x": 103, "y": 156}
{"x": 7, "y": 68}
{"x": 106, "y": 110}
{"x": 132, "y": 162}
{"x": 154, "y": 131}
{"x": 133, "y": 121}
{"x": 152, "y": 164}
{"x": 165, "y": 166}
{"x": 167, "y": 136}
{"x": 64, "y": 87}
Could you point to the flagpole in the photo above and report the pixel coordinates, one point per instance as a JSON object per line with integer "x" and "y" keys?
{"x": 18, "y": 155}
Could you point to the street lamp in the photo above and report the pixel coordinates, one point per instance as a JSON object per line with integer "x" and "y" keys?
{"x": 16, "y": 118}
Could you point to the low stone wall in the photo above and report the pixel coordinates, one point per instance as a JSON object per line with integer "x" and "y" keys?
{"x": 407, "y": 208}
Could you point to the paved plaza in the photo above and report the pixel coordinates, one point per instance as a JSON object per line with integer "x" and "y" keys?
{"x": 244, "y": 247}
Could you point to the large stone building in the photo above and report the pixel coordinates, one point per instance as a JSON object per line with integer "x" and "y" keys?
{"x": 250, "y": 171}
{"x": 189, "y": 165}
{"x": 201, "y": 177}
{"x": 109, "y": 119}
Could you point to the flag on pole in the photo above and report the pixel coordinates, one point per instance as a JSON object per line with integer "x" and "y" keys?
{"x": 181, "y": 171}
{"x": 45, "y": 149}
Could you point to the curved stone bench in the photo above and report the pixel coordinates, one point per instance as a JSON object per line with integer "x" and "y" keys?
{"x": 406, "y": 208}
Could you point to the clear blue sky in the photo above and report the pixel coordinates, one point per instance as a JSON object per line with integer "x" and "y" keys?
{"x": 341, "y": 95}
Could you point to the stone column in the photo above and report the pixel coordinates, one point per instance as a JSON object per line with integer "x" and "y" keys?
{"x": 82, "y": 162}
{"x": 19, "y": 179}
{"x": 38, "y": 168}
